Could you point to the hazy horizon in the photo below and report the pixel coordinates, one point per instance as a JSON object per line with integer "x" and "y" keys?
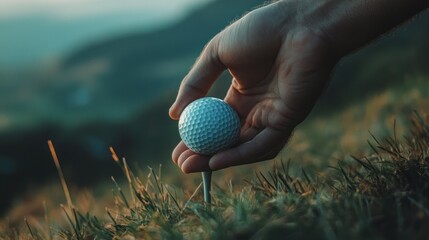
{"x": 34, "y": 31}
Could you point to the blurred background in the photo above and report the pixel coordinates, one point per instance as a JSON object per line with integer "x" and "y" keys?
{"x": 90, "y": 74}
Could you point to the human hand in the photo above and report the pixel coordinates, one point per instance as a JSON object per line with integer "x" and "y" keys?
{"x": 279, "y": 68}
{"x": 280, "y": 57}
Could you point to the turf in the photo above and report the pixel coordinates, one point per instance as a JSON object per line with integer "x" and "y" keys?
{"x": 384, "y": 195}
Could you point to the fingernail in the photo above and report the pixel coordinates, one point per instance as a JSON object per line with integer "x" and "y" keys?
{"x": 212, "y": 165}
{"x": 187, "y": 169}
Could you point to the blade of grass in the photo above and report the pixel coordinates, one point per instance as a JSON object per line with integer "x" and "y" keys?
{"x": 29, "y": 228}
{"x": 128, "y": 174}
{"x": 190, "y": 198}
{"x": 60, "y": 173}
{"x": 71, "y": 222}
{"x": 46, "y": 216}
{"x": 121, "y": 193}
{"x": 425, "y": 210}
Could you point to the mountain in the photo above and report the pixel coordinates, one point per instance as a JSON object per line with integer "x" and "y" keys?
{"x": 38, "y": 31}
{"x": 141, "y": 67}
{"x": 123, "y": 73}
{"x": 108, "y": 93}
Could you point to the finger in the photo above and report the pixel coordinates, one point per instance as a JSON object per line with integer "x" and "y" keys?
{"x": 248, "y": 133}
{"x": 196, "y": 163}
{"x": 266, "y": 145}
{"x": 182, "y": 154}
{"x": 199, "y": 79}
{"x": 185, "y": 155}
{"x": 178, "y": 150}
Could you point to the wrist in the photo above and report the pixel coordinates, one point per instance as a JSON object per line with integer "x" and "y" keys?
{"x": 349, "y": 25}
{"x": 310, "y": 17}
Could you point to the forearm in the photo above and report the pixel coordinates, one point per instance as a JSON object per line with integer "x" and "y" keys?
{"x": 350, "y": 24}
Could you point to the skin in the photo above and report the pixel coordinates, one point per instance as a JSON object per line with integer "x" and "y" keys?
{"x": 280, "y": 58}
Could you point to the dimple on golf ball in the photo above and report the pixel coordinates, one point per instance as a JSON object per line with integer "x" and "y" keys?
{"x": 209, "y": 125}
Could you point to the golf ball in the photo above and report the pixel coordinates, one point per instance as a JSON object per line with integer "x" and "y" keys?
{"x": 209, "y": 125}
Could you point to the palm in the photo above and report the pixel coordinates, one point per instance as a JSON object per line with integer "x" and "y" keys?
{"x": 263, "y": 78}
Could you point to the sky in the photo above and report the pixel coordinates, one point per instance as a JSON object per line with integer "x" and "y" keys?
{"x": 69, "y": 9}
{"x": 33, "y": 31}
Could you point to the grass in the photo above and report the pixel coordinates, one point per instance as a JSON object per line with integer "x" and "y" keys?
{"x": 379, "y": 196}
{"x": 379, "y": 191}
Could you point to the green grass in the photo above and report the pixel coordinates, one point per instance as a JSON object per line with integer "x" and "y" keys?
{"x": 382, "y": 195}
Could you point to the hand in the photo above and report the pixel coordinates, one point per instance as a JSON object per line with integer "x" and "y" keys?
{"x": 280, "y": 57}
{"x": 279, "y": 67}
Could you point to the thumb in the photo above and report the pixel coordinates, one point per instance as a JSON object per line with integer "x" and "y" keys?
{"x": 200, "y": 78}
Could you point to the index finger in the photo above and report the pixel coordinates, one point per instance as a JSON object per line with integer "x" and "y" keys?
{"x": 200, "y": 78}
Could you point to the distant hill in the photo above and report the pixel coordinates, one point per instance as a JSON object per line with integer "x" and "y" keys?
{"x": 391, "y": 59}
{"x": 142, "y": 67}
{"x": 123, "y": 73}
{"x": 101, "y": 96}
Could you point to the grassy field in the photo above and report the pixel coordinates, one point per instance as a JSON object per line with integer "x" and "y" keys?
{"x": 328, "y": 183}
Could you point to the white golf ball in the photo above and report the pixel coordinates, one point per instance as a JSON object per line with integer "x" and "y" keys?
{"x": 209, "y": 125}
